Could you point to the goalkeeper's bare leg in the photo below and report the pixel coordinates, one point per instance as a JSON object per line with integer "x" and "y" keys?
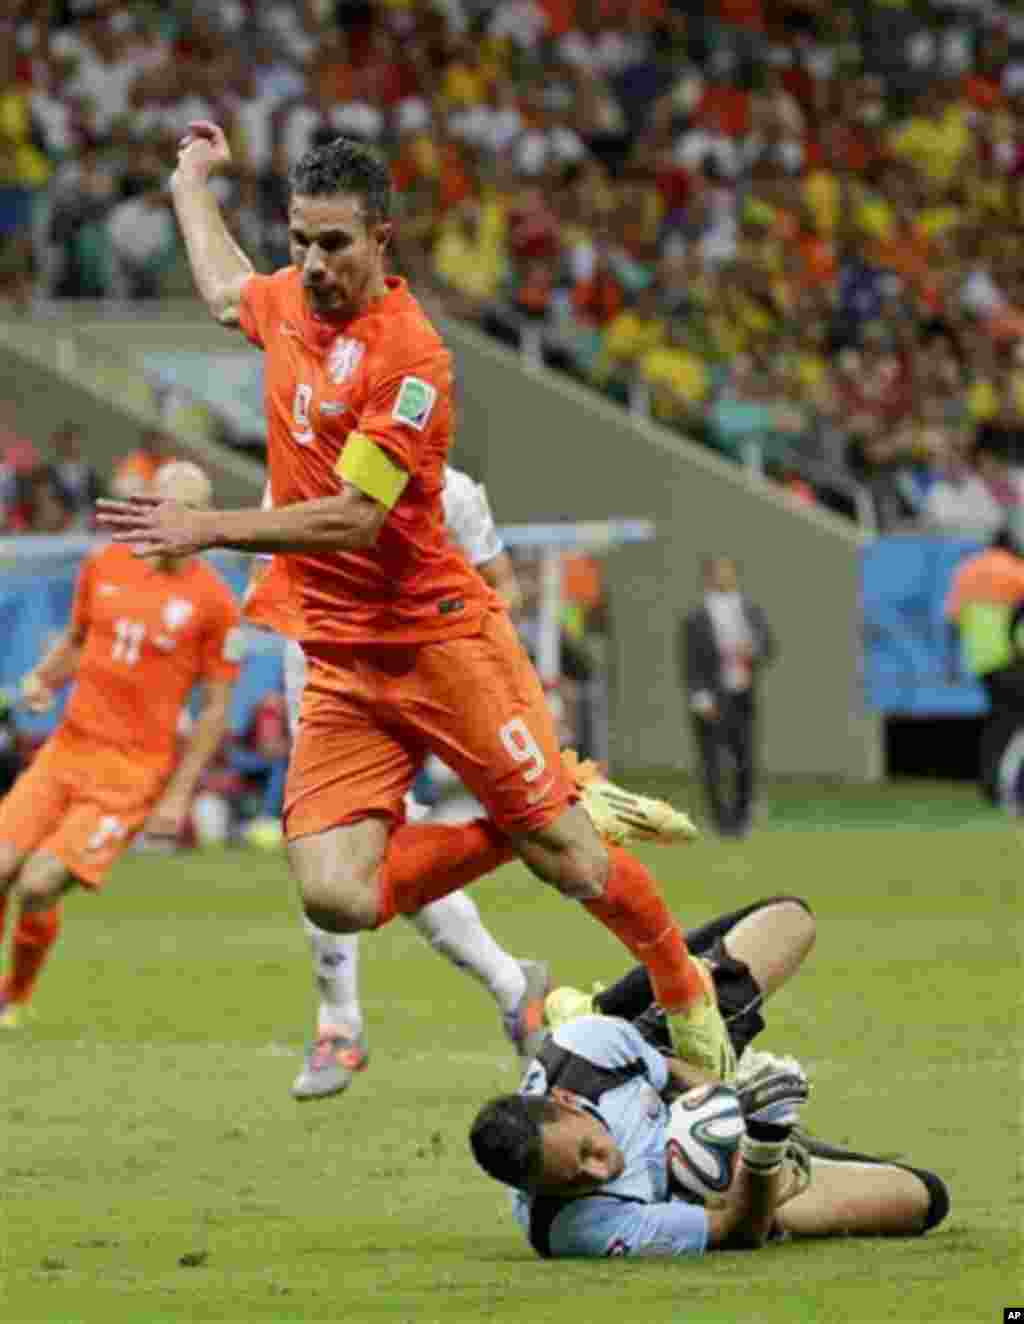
{"x": 865, "y": 1199}
{"x": 752, "y": 951}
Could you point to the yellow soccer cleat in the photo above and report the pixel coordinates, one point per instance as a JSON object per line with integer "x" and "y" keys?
{"x": 264, "y": 834}
{"x": 620, "y": 816}
{"x": 566, "y": 1004}
{"x": 700, "y": 1035}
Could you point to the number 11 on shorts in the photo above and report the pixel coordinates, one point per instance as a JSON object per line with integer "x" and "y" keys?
{"x": 522, "y": 748}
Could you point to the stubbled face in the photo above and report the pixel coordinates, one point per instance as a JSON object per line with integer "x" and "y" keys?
{"x": 578, "y": 1154}
{"x": 341, "y": 258}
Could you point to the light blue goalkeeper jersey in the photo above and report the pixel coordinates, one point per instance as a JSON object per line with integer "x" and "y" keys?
{"x": 632, "y": 1215}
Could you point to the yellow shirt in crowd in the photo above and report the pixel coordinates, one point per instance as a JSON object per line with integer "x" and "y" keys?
{"x": 473, "y": 265}
{"x": 628, "y": 339}
{"x": 982, "y": 400}
{"x": 677, "y": 370}
{"x": 936, "y": 146}
{"x": 822, "y": 195}
{"x": 21, "y": 162}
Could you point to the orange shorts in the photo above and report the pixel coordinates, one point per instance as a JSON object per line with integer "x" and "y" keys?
{"x": 371, "y": 714}
{"x": 82, "y": 803}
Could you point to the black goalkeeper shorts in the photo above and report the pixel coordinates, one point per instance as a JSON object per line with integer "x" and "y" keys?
{"x": 739, "y": 1000}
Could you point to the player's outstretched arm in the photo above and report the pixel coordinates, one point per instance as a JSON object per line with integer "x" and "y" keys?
{"x": 204, "y": 741}
{"x": 57, "y": 666}
{"x": 219, "y": 266}
{"x": 348, "y": 522}
{"x": 501, "y": 575}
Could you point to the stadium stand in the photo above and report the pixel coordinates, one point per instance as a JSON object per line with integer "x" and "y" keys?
{"x": 785, "y": 229}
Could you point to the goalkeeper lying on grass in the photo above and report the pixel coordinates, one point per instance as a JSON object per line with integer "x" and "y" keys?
{"x": 598, "y": 1153}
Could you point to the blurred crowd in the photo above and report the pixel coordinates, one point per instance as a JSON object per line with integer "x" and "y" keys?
{"x": 45, "y": 495}
{"x": 789, "y": 228}
{"x": 52, "y": 489}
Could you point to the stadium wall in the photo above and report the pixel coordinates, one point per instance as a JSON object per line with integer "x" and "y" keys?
{"x": 549, "y": 449}
{"x": 55, "y": 371}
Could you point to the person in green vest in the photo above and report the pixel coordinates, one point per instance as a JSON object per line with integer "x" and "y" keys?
{"x": 985, "y": 606}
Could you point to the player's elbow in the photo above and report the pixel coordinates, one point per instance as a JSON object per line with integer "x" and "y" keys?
{"x": 748, "y": 1237}
{"x": 223, "y": 297}
{"x": 355, "y": 521}
{"x": 732, "y": 1228}
{"x": 216, "y": 709}
{"x": 363, "y": 536}
{"x": 225, "y": 309}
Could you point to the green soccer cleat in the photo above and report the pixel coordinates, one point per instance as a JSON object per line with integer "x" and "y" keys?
{"x": 567, "y": 1004}
{"x": 620, "y": 816}
{"x": 700, "y": 1035}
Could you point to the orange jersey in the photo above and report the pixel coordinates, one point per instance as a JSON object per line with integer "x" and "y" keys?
{"x": 268, "y": 598}
{"x": 386, "y": 375}
{"x": 992, "y": 576}
{"x": 150, "y": 635}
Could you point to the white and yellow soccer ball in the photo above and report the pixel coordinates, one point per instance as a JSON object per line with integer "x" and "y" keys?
{"x": 704, "y": 1130}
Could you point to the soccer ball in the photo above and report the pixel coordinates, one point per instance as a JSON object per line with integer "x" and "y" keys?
{"x": 704, "y": 1130}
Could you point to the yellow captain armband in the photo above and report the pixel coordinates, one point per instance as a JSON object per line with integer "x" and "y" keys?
{"x": 366, "y": 466}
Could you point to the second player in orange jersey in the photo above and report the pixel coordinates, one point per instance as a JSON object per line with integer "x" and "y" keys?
{"x": 142, "y": 634}
{"x": 408, "y": 649}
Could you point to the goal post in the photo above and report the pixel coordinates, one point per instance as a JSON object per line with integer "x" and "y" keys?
{"x": 548, "y": 544}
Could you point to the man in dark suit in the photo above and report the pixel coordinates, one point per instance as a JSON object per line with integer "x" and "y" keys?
{"x": 723, "y": 644}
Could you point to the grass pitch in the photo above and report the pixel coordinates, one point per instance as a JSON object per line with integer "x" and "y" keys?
{"x": 156, "y": 1169}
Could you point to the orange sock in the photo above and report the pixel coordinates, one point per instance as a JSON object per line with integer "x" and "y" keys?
{"x": 34, "y": 935}
{"x": 635, "y": 911}
{"x": 426, "y": 861}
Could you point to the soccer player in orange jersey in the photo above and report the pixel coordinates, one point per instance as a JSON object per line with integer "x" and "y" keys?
{"x": 142, "y": 634}
{"x": 409, "y": 651}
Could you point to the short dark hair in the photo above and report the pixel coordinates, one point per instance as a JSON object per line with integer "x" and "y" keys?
{"x": 506, "y": 1137}
{"x": 344, "y": 165}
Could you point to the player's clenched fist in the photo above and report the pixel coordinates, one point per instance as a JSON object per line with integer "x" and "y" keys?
{"x": 202, "y": 149}
{"x": 36, "y": 693}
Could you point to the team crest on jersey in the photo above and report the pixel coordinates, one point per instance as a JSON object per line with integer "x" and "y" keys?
{"x": 344, "y": 357}
{"x": 177, "y": 612}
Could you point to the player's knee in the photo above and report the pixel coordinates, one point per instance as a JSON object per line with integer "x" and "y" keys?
{"x": 569, "y": 855}
{"x": 340, "y": 908}
{"x": 579, "y": 874}
{"x": 800, "y": 923}
{"x": 585, "y": 872}
{"x": 933, "y": 1200}
{"x": 41, "y": 882}
{"x": 10, "y": 862}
